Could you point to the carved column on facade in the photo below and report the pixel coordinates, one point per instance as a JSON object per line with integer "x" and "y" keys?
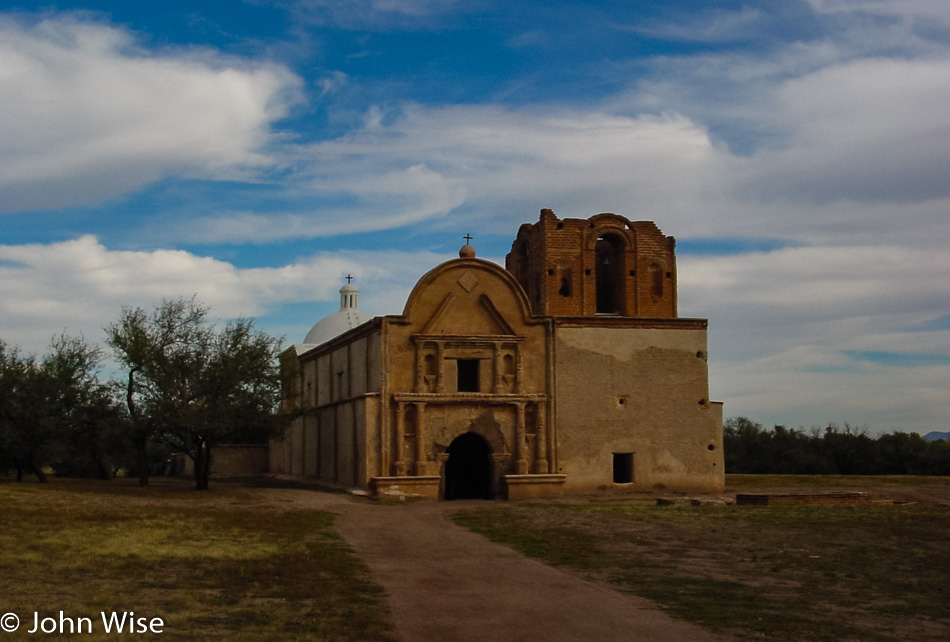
{"x": 420, "y": 367}
{"x": 440, "y": 367}
{"x": 421, "y": 467}
{"x": 519, "y": 370}
{"x": 385, "y": 444}
{"x": 521, "y": 459}
{"x": 399, "y": 466}
{"x": 541, "y": 463}
{"x": 499, "y": 367}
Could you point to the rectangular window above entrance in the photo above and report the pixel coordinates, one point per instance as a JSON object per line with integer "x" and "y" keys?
{"x": 467, "y": 375}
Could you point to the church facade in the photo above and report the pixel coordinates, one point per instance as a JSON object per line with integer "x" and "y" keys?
{"x": 566, "y": 372}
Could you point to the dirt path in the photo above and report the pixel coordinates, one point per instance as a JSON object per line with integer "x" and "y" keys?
{"x": 928, "y": 494}
{"x": 446, "y": 583}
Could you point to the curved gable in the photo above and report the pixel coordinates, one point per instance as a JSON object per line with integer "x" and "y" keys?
{"x": 467, "y": 297}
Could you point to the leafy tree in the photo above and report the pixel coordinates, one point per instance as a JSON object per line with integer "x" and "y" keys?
{"x": 148, "y": 345}
{"x": 55, "y": 410}
{"x": 15, "y": 386}
{"x": 744, "y": 444}
{"x": 86, "y": 425}
{"x": 192, "y": 387}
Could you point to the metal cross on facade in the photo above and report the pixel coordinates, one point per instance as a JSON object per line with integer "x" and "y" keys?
{"x": 468, "y": 238}
{"x": 349, "y": 278}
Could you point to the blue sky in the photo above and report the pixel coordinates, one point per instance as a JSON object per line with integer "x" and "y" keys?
{"x": 253, "y": 153}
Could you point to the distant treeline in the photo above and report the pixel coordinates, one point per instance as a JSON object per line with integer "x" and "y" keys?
{"x": 750, "y": 448}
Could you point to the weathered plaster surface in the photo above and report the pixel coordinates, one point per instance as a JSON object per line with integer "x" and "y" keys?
{"x": 560, "y": 389}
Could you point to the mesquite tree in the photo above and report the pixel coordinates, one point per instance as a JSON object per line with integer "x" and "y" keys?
{"x": 55, "y": 411}
{"x": 191, "y": 386}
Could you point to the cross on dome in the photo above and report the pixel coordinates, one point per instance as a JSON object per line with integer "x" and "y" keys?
{"x": 336, "y": 324}
{"x": 467, "y": 251}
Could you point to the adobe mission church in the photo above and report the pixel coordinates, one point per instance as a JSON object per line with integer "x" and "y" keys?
{"x": 566, "y": 372}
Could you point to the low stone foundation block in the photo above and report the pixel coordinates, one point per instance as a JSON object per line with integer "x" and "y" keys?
{"x": 534, "y": 486}
{"x": 416, "y": 486}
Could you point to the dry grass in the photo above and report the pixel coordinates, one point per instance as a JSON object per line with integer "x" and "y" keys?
{"x": 225, "y": 565}
{"x": 872, "y": 572}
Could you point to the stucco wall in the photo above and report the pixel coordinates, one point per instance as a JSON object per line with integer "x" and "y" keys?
{"x": 328, "y": 441}
{"x": 641, "y": 391}
{"x": 232, "y": 460}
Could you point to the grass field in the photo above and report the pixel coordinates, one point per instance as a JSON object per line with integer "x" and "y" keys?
{"x": 227, "y": 565}
{"x": 872, "y": 572}
{"x": 243, "y": 563}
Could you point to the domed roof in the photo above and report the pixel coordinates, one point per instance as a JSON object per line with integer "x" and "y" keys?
{"x": 337, "y": 323}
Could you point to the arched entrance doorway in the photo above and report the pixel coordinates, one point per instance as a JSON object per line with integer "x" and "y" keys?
{"x": 468, "y": 468}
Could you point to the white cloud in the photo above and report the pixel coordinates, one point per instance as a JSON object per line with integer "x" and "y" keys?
{"x": 494, "y": 164}
{"x": 80, "y": 286}
{"x": 837, "y": 148}
{"x": 869, "y": 130}
{"x": 859, "y": 149}
{"x": 785, "y": 326}
{"x": 880, "y": 397}
{"x": 399, "y": 198}
{"x": 87, "y": 115}
{"x": 833, "y": 297}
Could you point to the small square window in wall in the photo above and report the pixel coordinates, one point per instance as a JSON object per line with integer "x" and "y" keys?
{"x": 623, "y": 468}
{"x": 467, "y": 375}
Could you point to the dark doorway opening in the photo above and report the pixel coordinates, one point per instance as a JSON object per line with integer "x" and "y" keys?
{"x": 609, "y": 257}
{"x": 623, "y": 468}
{"x": 468, "y": 468}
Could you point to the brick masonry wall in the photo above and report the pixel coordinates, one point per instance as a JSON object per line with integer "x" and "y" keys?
{"x": 555, "y": 262}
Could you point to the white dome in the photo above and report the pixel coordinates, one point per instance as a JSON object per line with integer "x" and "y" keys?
{"x": 334, "y": 325}
{"x": 337, "y": 323}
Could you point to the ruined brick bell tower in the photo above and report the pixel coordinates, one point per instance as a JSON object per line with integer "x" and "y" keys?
{"x": 602, "y": 266}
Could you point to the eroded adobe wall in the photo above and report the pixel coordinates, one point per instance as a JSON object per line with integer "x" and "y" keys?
{"x": 637, "y": 391}
{"x": 338, "y": 386}
{"x": 557, "y": 262}
{"x": 228, "y": 460}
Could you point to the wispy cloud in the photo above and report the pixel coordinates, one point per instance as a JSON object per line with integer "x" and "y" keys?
{"x": 805, "y": 332}
{"x": 374, "y": 14}
{"x": 899, "y": 359}
{"x": 82, "y": 286}
{"x": 87, "y": 115}
{"x": 713, "y": 25}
